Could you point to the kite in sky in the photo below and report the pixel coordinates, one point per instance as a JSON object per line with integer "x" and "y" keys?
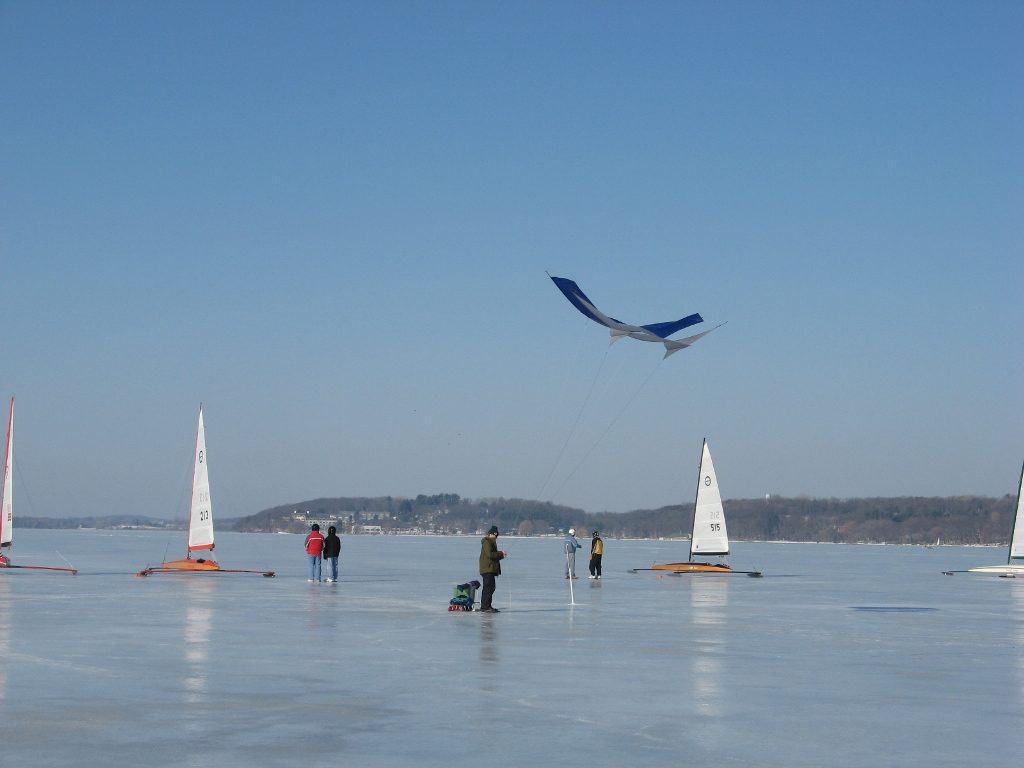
{"x": 656, "y": 332}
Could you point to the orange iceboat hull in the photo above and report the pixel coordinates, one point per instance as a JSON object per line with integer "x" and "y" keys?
{"x": 182, "y": 566}
{"x": 190, "y": 565}
{"x": 692, "y": 568}
{"x": 681, "y": 568}
{"x": 196, "y": 566}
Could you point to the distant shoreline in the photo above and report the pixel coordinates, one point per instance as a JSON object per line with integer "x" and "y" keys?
{"x": 553, "y": 537}
{"x": 903, "y": 521}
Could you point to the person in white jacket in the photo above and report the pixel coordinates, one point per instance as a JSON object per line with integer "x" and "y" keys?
{"x": 569, "y": 548}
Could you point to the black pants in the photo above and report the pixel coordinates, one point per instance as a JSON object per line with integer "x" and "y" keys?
{"x": 595, "y": 565}
{"x": 488, "y": 591}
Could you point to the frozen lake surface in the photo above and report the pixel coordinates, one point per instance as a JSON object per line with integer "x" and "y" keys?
{"x": 840, "y": 656}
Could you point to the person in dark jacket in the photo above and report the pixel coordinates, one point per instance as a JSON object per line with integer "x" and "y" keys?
{"x": 490, "y": 567}
{"x": 596, "y": 552}
{"x": 332, "y": 550}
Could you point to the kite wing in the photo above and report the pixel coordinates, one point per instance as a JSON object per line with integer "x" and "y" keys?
{"x": 579, "y": 299}
{"x": 664, "y": 330}
{"x": 672, "y": 347}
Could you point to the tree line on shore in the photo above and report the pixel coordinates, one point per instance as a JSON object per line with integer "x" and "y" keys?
{"x": 896, "y": 520}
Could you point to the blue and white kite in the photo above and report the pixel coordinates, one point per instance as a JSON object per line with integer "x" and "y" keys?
{"x": 656, "y": 332}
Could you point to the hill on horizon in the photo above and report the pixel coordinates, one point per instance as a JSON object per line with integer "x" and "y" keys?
{"x": 897, "y": 520}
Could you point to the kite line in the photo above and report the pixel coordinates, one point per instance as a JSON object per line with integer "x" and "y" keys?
{"x": 575, "y": 424}
{"x": 607, "y": 429}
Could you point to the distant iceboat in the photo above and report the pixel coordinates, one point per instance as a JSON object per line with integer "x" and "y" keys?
{"x": 1015, "y": 557}
{"x": 200, "y": 521}
{"x": 7, "y": 505}
{"x": 709, "y": 537}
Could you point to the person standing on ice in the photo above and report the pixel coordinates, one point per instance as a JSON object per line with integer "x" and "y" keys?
{"x": 490, "y": 568}
{"x": 332, "y": 550}
{"x": 570, "y": 547}
{"x": 315, "y": 550}
{"x": 596, "y": 550}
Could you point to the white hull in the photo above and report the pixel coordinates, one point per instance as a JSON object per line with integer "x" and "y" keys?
{"x": 999, "y": 570}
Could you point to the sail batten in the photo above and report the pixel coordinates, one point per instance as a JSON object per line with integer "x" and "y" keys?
{"x": 200, "y": 520}
{"x": 709, "y": 535}
{"x": 7, "y": 494}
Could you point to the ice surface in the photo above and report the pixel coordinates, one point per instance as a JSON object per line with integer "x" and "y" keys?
{"x": 789, "y": 670}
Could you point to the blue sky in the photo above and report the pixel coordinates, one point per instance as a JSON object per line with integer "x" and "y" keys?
{"x": 331, "y": 223}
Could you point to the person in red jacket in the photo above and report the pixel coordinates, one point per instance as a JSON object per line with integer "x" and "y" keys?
{"x": 315, "y": 550}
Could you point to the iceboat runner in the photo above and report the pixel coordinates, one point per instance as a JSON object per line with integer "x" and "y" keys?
{"x": 7, "y": 505}
{"x": 708, "y": 535}
{"x": 200, "y": 521}
{"x": 1015, "y": 556}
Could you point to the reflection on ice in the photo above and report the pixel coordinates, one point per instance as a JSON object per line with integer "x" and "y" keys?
{"x": 199, "y": 615}
{"x": 709, "y": 599}
{"x": 1017, "y": 590}
{"x": 6, "y": 604}
{"x": 709, "y": 602}
{"x": 488, "y": 634}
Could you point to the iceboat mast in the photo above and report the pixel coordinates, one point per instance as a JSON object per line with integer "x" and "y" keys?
{"x": 7, "y": 503}
{"x": 191, "y": 509}
{"x": 1016, "y": 551}
{"x": 696, "y": 495}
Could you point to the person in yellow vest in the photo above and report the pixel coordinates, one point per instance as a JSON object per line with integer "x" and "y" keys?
{"x": 596, "y": 550}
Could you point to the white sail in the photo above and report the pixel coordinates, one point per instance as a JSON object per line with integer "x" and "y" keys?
{"x": 1017, "y": 532}
{"x": 7, "y": 514}
{"x": 200, "y": 520}
{"x": 709, "y": 535}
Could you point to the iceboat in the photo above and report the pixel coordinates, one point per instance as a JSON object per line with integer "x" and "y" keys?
{"x": 708, "y": 534}
{"x": 200, "y": 521}
{"x": 1015, "y": 556}
{"x": 7, "y": 506}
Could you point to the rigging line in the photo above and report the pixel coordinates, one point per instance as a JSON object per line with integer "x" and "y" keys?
{"x": 65, "y": 560}
{"x": 576, "y": 423}
{"x": 176, "y": 512}
{"x": 607, "y": 429}
{"x": 24, "y": 485}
